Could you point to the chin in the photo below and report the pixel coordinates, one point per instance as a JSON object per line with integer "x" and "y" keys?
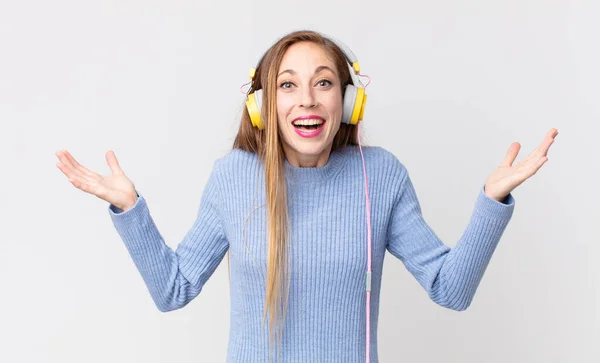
{"x": 308, "y": 146}
{"x": 311, "y": 148}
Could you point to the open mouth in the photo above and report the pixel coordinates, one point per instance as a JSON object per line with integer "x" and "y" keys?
{"x": 309, "y": 127}
{"x": 308, "y": 124}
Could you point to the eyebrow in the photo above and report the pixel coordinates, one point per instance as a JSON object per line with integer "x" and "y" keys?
{"x": 319, "y": 69}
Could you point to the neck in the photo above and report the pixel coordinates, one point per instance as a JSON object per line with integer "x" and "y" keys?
{"x": 309, "y": 175}
{"x": 299, "y": 160}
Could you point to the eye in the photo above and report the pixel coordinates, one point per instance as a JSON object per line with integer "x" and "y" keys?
{"x": 286, "y": 85}
{"x": 324, "y": 83}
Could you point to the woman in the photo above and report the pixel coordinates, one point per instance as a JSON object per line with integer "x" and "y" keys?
{"x": 301, "y": 254}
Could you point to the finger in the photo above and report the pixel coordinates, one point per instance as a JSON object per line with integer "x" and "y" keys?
{"x": 65, "y": 169}
{"x": 75, "y": 177}
{"x": 542, "y": 149}
{"x": 552, "y": 133}
{"x": 81, "y": 168}
{"x": 511, "y": 154}
{"x": 113, "y": 163}
{"x": 538, "y": 165}
{"x": 68, "y": 159}
{"x": 86, "y": 185}
{"x": 531, "y": 167}
{"x": 66, "y": 166}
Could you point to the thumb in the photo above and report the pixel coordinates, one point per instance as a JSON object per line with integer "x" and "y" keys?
{"x": 511, "y": 154}
{"x": 113, "y": 163}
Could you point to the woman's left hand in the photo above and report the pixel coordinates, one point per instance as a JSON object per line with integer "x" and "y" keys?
{"x": 507, "y": 177}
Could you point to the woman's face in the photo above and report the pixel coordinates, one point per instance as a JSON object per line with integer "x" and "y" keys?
{"x": 309, "y": 92}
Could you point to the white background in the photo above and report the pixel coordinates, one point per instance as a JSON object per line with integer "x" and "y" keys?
{"x": 453, "y": 84}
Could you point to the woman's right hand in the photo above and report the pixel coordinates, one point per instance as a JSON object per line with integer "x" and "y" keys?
{"x": 116, "y": 189}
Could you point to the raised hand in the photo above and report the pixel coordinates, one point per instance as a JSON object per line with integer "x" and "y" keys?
{"x": 507, "y": 177}
{"x": 116, "y": 189}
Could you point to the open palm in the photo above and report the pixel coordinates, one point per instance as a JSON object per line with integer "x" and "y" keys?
{"x": 508, "y": 176}
{"x": 116, "y": 188}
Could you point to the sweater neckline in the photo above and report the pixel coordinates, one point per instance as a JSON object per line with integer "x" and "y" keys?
{"x": 316, "y": 174}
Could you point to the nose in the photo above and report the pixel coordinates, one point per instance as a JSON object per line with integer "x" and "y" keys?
{"x": 307, "y": 98}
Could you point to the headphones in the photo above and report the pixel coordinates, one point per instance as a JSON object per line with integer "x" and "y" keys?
{"x": 354, "y": 100}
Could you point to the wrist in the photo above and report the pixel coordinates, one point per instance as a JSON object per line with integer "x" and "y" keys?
{"x": 497, "y": 198}
{"x": 130, "y": 202}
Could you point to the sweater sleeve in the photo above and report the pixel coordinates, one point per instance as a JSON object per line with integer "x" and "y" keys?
{"x": 174, "y": 278}
{"x": 449, "y": 275}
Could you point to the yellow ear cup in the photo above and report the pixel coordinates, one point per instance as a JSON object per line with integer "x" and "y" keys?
{"x": 254, "y": 111}
{"x": 359, "y": 104}
{"x": 362, "y": 108}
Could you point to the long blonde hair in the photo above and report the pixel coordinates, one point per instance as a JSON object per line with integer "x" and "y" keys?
{"x": 267, "y": 144}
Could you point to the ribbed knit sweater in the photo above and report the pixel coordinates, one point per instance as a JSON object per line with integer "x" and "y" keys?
{"x": 326, "y": 320}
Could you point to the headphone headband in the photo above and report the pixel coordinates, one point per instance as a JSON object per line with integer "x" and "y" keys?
{"x": 350, "y": 57}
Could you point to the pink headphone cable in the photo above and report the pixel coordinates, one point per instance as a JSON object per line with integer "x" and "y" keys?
{"x": 368, "y": 251}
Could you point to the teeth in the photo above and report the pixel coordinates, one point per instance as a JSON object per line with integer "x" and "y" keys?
{"x": 308, "y": 122}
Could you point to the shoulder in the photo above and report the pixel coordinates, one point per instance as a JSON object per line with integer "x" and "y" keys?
{"x": 236, "y": 158}
{"x": 236, "y": 163}
{"x": 379, "y": 158}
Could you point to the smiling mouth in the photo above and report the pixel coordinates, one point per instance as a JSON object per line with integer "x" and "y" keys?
{"x": 308, "y": 124}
